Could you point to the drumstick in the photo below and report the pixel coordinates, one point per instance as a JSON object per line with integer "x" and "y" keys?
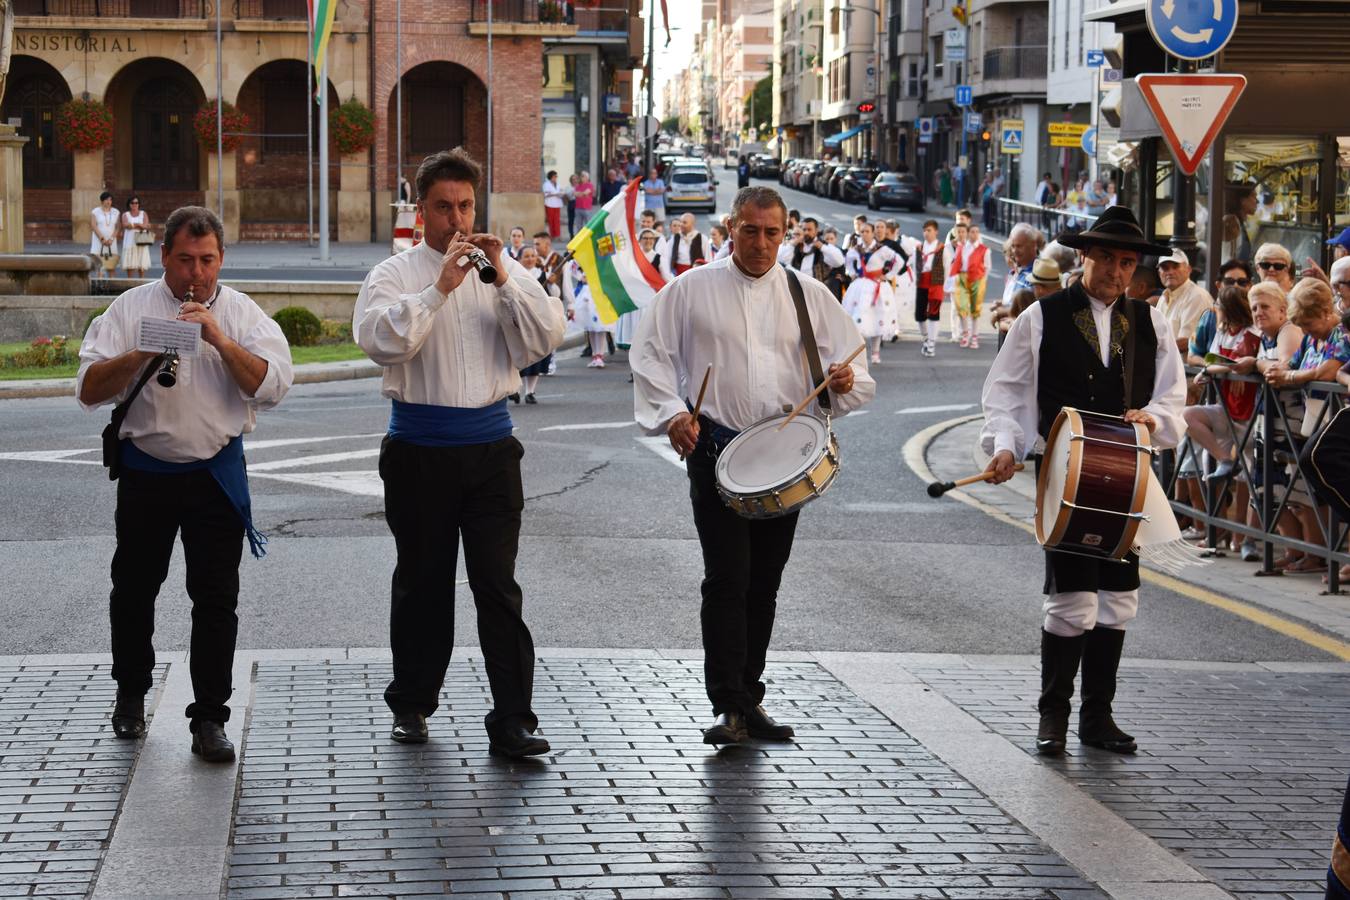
{"x": 822, "y": 386}
{"x": 938, "y": 488}
{"x": 698, "y": 404}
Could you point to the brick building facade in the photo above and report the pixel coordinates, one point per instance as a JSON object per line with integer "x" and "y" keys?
{"x": 153, "y": 63}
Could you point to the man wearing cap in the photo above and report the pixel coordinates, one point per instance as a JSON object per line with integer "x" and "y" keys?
{"x": 1183, "y": 301}
{"x": 1088, "y": 348}
{"x": 1340, "y": 245}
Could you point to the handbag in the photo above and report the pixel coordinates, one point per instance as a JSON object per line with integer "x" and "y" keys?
{"x": 144, "y": 238}
{"x": 112, "y": 442}
{"x": 110, "y": 258}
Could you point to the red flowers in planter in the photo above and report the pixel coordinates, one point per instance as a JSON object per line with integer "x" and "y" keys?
{"x": 204, "y": 124}
{"x": 84, "y": 125}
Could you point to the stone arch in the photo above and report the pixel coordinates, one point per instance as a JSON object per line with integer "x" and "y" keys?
{"x": 155, "y": 151}
{"x": 33, "y": 93}
{"x": 444, "y": 106}
{"x": 272, "y": 165}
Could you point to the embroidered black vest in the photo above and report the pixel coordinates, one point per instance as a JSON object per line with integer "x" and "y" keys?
{"x": 1071, "y": 371}
{"x": 819, "y": 270}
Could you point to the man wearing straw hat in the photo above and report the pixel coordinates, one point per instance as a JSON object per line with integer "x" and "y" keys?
{"x": 736, "y": 320}
{"x": 1089, "y": 348}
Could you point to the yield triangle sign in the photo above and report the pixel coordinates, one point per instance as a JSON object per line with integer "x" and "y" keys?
{"x": 1190, "y": 110}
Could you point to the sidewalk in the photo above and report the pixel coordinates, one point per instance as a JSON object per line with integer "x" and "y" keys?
{"x": 268, "y": 255}
{"x": 952, "y": 451}
{"x": 909, "y": 777}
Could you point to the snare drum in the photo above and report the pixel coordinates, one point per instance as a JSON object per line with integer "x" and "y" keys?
{"x": 1093, "y": 482}
{"x": 764, "y": 473}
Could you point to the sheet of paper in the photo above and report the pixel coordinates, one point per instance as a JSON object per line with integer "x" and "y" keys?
{"x": 157, "y": 335}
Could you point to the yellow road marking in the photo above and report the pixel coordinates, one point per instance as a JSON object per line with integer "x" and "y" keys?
{"x": 917, "y": 445}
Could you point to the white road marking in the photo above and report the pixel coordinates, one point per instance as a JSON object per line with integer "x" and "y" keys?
{"x": 52, "y": 456}
{"x": 363, "y": 483}
{"x": 950, "y": 407}
{"x": 250, "y": 444}
{"x": 587, "y": 426}
{"x": 661, "y": 447}
{"x": 315, "y": 460}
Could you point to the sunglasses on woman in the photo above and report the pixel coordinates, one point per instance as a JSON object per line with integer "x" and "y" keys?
{"x": 1266, "y": 266}
{"x": 1237, "y": 282}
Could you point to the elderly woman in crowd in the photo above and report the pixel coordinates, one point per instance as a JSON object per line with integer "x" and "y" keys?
{"x": 1340, "y": 283}
{"x": 1324, "y": 349}
{"x": 1275, "y": 264}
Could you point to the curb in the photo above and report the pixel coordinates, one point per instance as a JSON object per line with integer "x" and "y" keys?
{"x": 310, "y": 373}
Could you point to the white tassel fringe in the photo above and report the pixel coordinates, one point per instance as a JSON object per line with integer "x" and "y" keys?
{"x": 1173, "y": 556}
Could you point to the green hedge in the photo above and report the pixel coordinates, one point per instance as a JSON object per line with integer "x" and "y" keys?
{"x": 301, "y": 327}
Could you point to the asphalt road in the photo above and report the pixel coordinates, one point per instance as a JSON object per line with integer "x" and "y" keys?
{"x": 608, "y": 558}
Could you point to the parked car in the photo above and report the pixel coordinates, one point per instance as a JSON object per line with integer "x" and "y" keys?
{"x": 820, "y": 184}
{"x": 832, "y": 189}
{"x": 896, "y": 189}
{"x": 807, "y": 179}
{"x": 853, "y": 186}
{"x": 690, "y": 186}
{"x": 764, "y": 166}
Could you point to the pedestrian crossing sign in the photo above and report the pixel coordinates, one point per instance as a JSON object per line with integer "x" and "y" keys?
{"x": 1010, "y": 135}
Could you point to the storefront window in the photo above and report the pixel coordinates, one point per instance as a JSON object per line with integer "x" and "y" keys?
{"x": 1272, "y": 192}
{"x": 1341, "y": 214}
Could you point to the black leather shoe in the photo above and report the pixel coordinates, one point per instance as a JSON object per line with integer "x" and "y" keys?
{"x": 1115, "y": 741}
{"x": 529, "y": 398}
{"x": 1052, "y": 734}
{"x": 128, "y": 718}
{"x": 409, "y": 728}
{"x": 758, "y": 724}
{"x": 727, "y": 728}
{"x": 516, "y": 741}
{"x": 515, "y": 398}
{"x": 209, "y": 741}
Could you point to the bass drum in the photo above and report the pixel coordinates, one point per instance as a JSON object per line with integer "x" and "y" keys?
{"x": 1093, "y": 483}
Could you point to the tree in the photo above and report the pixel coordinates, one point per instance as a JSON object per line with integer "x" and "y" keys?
{"x": 759, "y": 103}
{"x": 670, "y": 124}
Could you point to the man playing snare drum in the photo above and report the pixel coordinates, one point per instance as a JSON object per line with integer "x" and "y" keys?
{"x": 1083, "y": 348}
{"x": 738, "y": 315}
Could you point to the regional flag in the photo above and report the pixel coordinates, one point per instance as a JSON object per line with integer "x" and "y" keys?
{"x": 320, "y": 27}
{"x": 620, "y": 276}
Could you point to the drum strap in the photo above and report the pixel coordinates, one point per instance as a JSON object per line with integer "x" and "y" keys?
{"x": 808, "y": 339}
{"x": 1129, "y": 352}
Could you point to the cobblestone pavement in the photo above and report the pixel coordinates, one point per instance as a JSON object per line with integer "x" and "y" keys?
{"x": 630, "y": 803}
{"x": 1241, "y": 772}
{"x": 62, "y": 777}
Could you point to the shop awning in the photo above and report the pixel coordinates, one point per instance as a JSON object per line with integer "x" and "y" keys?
{"x": 835, "y": 140}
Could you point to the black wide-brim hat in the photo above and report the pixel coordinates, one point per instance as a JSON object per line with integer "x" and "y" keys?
{"x": 1116, "y": 227}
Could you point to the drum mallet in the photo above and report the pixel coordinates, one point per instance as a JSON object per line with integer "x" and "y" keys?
{"x": 820, "y": 387}
{"x": 938, "y": 488}
{"x": 703, "y": 389}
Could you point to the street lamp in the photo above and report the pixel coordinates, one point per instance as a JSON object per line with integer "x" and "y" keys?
{"x": 876, "y": 83}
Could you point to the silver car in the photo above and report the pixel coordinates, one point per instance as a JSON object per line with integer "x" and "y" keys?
{"x": 690, "y": 185}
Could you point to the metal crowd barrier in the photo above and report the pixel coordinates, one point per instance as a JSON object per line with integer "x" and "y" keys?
{"x": 1051, "y": 222}
{"x": 1271, "y": 464}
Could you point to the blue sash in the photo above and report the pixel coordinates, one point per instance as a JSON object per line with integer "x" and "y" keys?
{"x": 226, "y": 467}
{"x": 427, "y": 425}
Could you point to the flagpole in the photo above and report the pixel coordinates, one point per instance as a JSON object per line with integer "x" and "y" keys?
{"x": 398, "y": 92}
{"x": 220, "y": 126}
{"x": 487, "y": 197}
{"x": 309, "y": 120}
{"x": 323, "y": 158}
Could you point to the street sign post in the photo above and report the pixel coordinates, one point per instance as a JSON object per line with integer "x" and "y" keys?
{"x": 647, "y": 128}
{"x": 1066, "y": 134}
{"x": 1096, "y": 59}
{"x": 964, "y": 95}
{"x": 1190, "y": 29}
{"x": 1190, "y": 110}
{"x": 1010, "y": 135}
{"x": 974, "y": 123}
{"x": 1112, "y": 76}
{"x": 1089, "y": 142}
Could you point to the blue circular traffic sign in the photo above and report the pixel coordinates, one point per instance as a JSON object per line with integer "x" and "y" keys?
{"x": 1089, "y": 142}
{"x": 1192, "y": 29}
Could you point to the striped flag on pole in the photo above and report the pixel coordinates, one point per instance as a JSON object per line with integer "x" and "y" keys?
{"x": 321, "y": 27}
{"x": 620, "y": 276}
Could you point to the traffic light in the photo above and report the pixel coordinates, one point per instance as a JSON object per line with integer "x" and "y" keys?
{"x": 986, "y": 135}
{"x": 866, "y": 107}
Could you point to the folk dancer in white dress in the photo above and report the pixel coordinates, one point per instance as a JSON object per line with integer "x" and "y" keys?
{"x": 870, "y": 299}
{"x": 103, "y": 221}
{"x": 135, "y": 257}
{"x": 738, "y": 316}
{"x": 585, "y": 313}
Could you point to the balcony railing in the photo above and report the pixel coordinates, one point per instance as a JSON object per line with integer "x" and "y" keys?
{"x": 1014, "y": 62}
{"x": 275, "y": 10}
{"x": 506, "y": 11}
{"x": 112, "y": 9}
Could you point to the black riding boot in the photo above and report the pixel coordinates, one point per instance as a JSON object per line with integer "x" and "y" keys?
{"x": 1059, "y": 665}
{"x": 1101, "y": 659}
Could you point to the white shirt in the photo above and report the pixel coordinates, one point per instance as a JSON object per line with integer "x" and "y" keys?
{"x": 882, "y": 257}
{"x": 747, "y": 329}
{"x": 928, "y": 252}
{"x": 832, "y": 255}
{"x": 553, "y": 195}
{"x": 206, "y": 409}
{"x": 1011, "y": 415}
{"x": 464, "y": 350}
{"x": 682, "y": 254}
{"x": 1183, "y": 308}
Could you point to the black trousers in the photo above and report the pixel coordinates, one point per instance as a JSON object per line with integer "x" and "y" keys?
{"x": 151, "y": 511}
{"x": 434, "y": 497}
{"x": 743, "y": 562}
